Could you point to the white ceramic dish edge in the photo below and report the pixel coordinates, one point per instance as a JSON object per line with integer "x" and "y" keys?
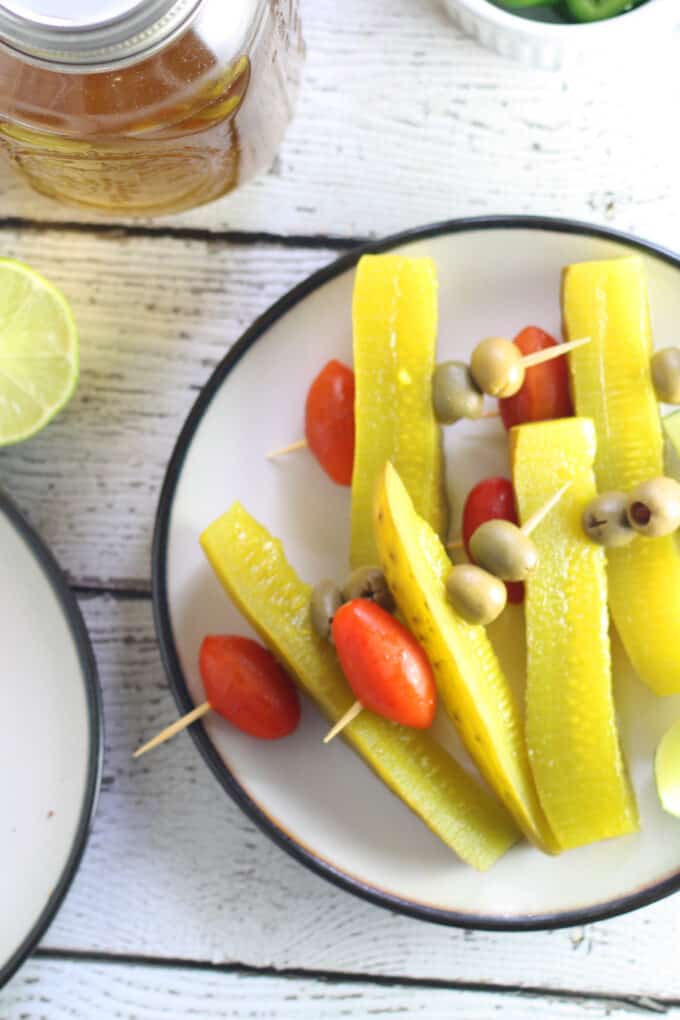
{"x": 551, "y": 46}
{"x": 73, "y": 619}
{"x": 667, "y": 879}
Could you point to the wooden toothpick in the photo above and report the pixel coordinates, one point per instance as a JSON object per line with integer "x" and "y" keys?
{"x": 176, "y": 727}
{"x": 299, "y": 444}
{"x": 537, "y": 517}
{"x": 533, "y": 521}
{"x": 347, "y": 718}
{"x": 529, "y": 360}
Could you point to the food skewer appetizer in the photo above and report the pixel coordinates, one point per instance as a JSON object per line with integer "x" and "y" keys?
{"x": 246, "y": 686}
{"x": 329, "y": 423}
{"x": 377, "y": 678}
{"x": 571, "y": 725}
{"x": 384, "y": 665}
{"x": 612, "y": 384}
{"x": 470, "y": 680}
{"x": 500, "y": 551}
{"x": 255, "y": 573}
{"x": 395, "y": 321}
{"x": 329, "y": 407}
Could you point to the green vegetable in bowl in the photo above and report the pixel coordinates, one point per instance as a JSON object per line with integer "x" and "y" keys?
{"x": 596, "y": 10}
{"x": 577, "y": 10}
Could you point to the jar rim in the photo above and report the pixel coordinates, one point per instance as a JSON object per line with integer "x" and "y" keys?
{"x": 96, "y": 35}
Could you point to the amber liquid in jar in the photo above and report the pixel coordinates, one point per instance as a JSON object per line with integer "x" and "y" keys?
{"x": 175, "y": 130}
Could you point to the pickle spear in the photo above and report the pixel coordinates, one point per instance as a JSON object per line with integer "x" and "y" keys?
{"x": 470, "y": 680}
{"x": 571, "y": 723}
{"x": 255, "y": 573}
{"x": 395, "y": 339}
{"x": 612, "y": 384}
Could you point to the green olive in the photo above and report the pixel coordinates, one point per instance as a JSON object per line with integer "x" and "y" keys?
{"x": 476, "y": 595}
{"x": 504, "y": 550}
{"x": 497, "y": 366}
{"x": 654, "y": 507}
{"x": 368, "y": 583}
{"x": 325, "y": 602}
{"x": 605, "y": 520}
{"x": 666, "y": 374}
{"x": 455, "y": 394}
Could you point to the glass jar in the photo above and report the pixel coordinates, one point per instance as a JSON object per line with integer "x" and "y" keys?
{"x": 145, "y": 106}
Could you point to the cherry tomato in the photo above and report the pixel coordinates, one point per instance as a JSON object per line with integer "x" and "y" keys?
{"x": 246, "y": 686}
{"x": 329, "y": 421}
{"x": 545, "y": 392}
{"x": 491, "y": 500}
{"x": 384, "y": 664}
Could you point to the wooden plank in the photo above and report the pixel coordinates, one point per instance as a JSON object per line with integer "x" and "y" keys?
{"x": 402, "y": 120}
{"x": 174, "y": 869}
{"x": 154, "y": 318}
{"x": 53, "y": 989}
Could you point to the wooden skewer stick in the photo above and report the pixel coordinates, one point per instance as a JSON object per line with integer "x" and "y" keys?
{"x": 543, "y": 511}
{"x": 176, "y": 727}
{"x": 347, "y": 718}
{"x": 299, "y": 444}
{"x": 302, "y": 444}
{"x": 529, "y": 360}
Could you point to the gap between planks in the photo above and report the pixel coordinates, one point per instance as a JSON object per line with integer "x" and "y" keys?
{"x": 645, "y": 1004}
{"x": 117, "y": 231}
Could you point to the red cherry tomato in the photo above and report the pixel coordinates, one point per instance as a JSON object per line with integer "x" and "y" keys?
{"x": 329, "y": 421}
{"x": 384, "y": 664}
{"x": 246, "y": 686}
{"x": 492, "y": 499}
{"x": 545, "y": 392}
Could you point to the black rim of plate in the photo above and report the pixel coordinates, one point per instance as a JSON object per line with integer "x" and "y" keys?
{"x": 530, "y": 922}
{"x": 73, "y": 617}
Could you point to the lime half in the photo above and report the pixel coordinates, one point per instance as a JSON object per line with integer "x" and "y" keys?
{"x": 667, "y": 770}
{"x": 38, "y": 352}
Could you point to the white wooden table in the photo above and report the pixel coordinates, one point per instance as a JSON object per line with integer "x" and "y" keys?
{"x": 181, "y": 907}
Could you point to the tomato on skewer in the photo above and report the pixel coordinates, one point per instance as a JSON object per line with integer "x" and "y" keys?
{"x": 384, "y": 665}
{"x": 246, "y": 686}
{"x": 329, "y": 421}
{"x": 545, "y": 392}
{"x": 492, "y": 499}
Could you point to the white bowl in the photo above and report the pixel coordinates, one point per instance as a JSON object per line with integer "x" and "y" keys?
{"x": 550, "y": 45}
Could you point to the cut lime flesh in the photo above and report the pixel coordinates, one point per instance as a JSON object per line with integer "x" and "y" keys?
{"x": 39, "y": 360}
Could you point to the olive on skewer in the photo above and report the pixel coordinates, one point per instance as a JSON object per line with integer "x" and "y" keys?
{"x": 455, "y": 394}
{"x": 653, "y": 508}
{"x": 476, "y": 595}
{"x": 605, "y": 520}
{"x": 502, "y": 552}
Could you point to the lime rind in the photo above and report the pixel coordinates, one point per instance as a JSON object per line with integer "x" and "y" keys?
{"x": 39, "y": 352}
{"x": 667, "y": 770}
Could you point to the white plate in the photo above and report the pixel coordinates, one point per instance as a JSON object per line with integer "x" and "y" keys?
{"x": 50, "y": 738}
{"x": 322, "y": 804}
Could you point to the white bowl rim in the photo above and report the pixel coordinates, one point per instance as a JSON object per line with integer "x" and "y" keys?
{"x": 547, "y": 29}
{"x": 640, "y": 897}
{"x": 74, "y": 621}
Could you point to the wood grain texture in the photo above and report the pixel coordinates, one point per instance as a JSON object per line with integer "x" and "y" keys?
{"x": 174, "y": 869}
{"x": 154, "y": 320}
{"x": 50, "y": 989}
{"x": 402, "y": 120}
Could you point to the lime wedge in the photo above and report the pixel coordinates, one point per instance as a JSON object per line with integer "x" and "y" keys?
{"x": 38, "y": 352}
{"x": 667, "y": 770}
